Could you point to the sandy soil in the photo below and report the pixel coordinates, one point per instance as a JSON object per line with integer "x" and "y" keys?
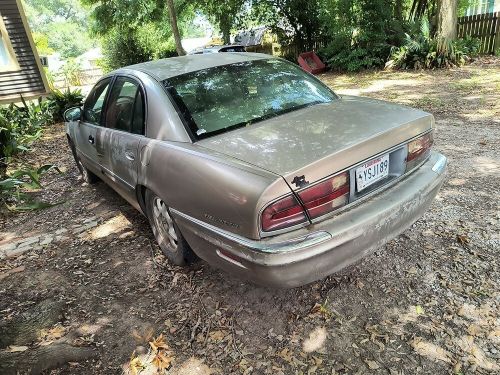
{"x": 84, "y": 288}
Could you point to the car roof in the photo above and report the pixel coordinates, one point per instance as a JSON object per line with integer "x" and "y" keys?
{"x": 174, "y": 66}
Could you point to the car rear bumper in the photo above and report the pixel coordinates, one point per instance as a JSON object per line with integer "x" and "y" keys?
{"x": 312, "y": 253}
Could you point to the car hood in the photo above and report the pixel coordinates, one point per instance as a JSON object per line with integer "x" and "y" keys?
{"x": 322, "y": 139}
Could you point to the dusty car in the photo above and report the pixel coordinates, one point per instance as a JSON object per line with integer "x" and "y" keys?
{"x": 254, "y": 165}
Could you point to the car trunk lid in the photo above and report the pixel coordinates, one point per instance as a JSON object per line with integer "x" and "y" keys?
{"x": 320, "y": 140}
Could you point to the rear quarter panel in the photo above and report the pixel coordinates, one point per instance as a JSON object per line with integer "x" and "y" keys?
{"x": 209, "y": 186}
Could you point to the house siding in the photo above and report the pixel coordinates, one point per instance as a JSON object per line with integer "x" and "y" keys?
{"x": 28, "y": 80}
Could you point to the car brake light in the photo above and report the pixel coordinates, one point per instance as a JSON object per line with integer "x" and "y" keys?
{"x": 419, "y": 146}
{"x": 283, "y": 213}
{"x": 317, "y": 199}
{"x": 326, "y": 196}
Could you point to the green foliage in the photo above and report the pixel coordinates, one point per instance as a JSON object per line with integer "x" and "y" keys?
{"x": 71, "y": 72}
{"x": 126, "y": 47}
{"x": 60, "y": 101}
{"x": 137, "y": 31}
{"x": 223, "y": 14}
{"x": 295, "y": 21}
{"x": 353, "y": 60}
{"x": 42, "y": 44}
{"x": 47, "y": 11}
{"x": 68, "y": 38}
{"x": 469, "y": 46}
{"x": 21, "y": 125}
{"x": 15, "y": 187}
{"x": 360, "y": 33}
{"x": 420, "y": 50}
{"x": 60, "y": 26}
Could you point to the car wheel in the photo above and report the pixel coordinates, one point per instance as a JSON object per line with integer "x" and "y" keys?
{"x": 88, "y": 176}
{"x": 166, "y": 231}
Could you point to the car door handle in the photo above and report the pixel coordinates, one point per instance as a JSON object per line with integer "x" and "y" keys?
{"x": 91, "y": 140}
{"x": 130, "y": 156}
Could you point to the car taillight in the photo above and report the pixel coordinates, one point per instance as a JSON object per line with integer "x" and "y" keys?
{"x": 317, "y": 199}
{"x": 418, "y": 149}
{"x": 283, "y": 213}
{"x": 419, "y": 146}
{"x": 326, "y": 196}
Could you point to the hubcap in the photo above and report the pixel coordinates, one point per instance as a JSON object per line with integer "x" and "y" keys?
{"x": 164, "y": 223}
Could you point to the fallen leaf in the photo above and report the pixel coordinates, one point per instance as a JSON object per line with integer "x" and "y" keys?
{"x": 419, "y": 309}
{"x": 217, "y": 335}
{"x": 462, "y": 239}
{"x": 161, "y": 361}
{"x": 136, "y": 366}
{"x": 16, "y": 349}
{"x": 53, "y": 333}
{"x": 158, "y": 343}
{"x": 372, "y": 364}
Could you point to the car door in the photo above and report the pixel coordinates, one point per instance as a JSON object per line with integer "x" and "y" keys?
{"x": 124, "y": 129}
{"x": 87, "y": 131}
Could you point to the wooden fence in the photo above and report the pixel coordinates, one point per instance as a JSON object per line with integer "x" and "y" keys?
{"x": 485, "y": 27}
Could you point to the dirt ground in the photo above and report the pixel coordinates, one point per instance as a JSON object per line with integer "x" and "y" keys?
{"x": 84, "y": 288}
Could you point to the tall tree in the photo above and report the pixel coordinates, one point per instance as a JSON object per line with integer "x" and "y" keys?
{"x": 175, "y": 29}
{"x": 447, "y": 20}
{"x": 303, "y": 17}
{"x": 224, "y": 14}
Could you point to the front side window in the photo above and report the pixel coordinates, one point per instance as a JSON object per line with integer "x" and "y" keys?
{"x": 92, "y": 109}
{"x": 125, "y": 110}
{"x": 219, "y": 99}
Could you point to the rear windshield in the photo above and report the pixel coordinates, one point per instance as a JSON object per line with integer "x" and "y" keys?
{"x": 227, "y": 97}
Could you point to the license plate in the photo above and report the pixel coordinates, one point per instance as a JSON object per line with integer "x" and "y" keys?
{"x": 372, "y": 171}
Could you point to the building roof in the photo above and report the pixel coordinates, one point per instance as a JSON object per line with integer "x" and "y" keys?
{"x": 174, "y": 66}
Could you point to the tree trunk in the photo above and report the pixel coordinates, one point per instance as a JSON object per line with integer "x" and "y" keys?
{"x": 175, "y": 29}
{"x": 398, "y": 10}
{"x": 225, "y": 24}
{"x": 447, "y": 20}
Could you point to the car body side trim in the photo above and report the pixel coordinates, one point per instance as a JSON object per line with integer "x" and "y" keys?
{"x": 111, "y": 174}
{"x": 301, "y": 242}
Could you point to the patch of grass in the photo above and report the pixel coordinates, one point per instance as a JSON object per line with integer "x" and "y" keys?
{"x": 392, "y": 95}
{"x": 429, "y": 102}
{"x": 469, "y": 84}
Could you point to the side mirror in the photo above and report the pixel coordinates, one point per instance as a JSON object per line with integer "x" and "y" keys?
{"x": 72, "y": 114}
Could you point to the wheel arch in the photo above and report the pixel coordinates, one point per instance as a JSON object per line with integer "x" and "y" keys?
{"x": 141, "y": 198}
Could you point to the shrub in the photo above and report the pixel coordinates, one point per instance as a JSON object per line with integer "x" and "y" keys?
{"x": 354, "y": 60}
{"x": 360, "y": 34}
{"x": 420, "y": 50}
{"x": 71, "y": 72}
{"x": 13, "y": 188}
{"x": 122, "y": 47}
{"x": 60, "y": 101}
{"x": 20, "y": 126}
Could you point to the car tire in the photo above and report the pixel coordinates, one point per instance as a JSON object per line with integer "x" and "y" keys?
{"x": 87, "y": 176}
{"x": 168, "y": 236}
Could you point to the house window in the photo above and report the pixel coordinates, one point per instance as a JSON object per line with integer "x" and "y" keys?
{"x": 8, "y": 59}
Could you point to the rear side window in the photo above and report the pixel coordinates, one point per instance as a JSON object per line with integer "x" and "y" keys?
{"x": 92, "y": 109}
{"x": 125, "y": 110}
